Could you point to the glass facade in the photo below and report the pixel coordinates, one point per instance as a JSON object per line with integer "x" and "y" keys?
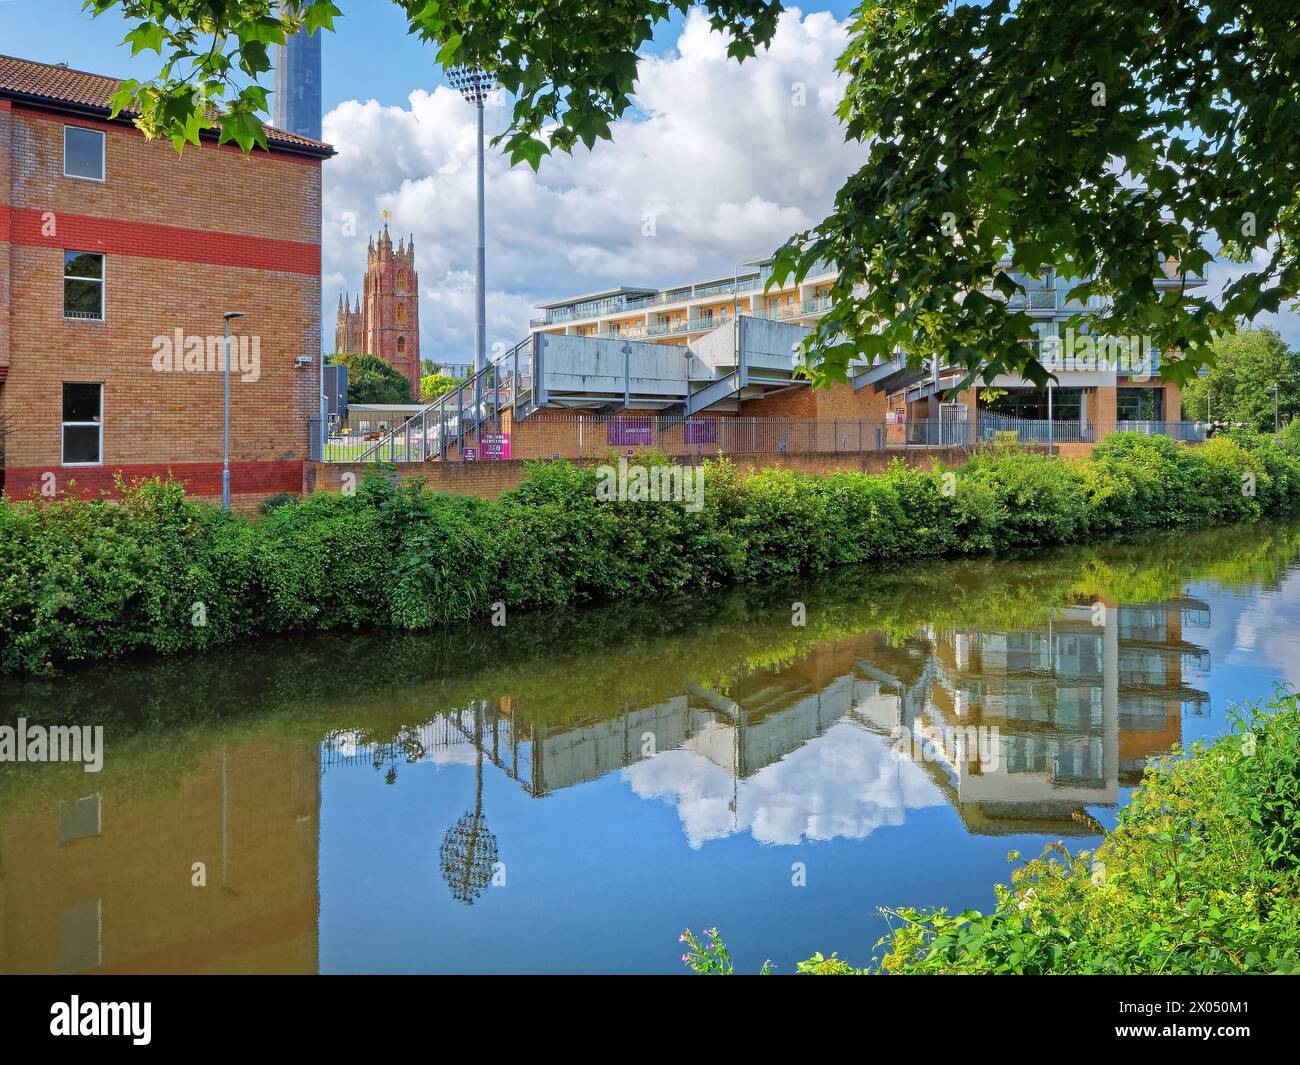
{"x": 1140, "y": 404}
{"x": 1067, "y": 404}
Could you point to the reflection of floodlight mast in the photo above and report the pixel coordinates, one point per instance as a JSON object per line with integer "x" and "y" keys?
{"x": 474, "y": 85}
{"x": 468, "y": 854}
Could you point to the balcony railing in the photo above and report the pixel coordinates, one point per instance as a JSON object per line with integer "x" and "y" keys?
{"x": 614, "y": 304}
{"x": 692, "y": 325}
{"x": 744, "y": 284}
{"x": 795, "y": 310}
{"x": 994, "y": 427}
{"x": 1035, "y": 299}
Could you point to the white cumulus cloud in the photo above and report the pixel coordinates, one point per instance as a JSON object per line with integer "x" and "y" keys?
{"x": 720, "y": 162}
{"x": 845, "y": 783}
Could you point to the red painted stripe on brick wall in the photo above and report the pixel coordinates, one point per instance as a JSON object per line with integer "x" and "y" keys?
{"x": 148, "y": 240}
{"x": 4, "y": 223}
{"x": 199, "y": 478}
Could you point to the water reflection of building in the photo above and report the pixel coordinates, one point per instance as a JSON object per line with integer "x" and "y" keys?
{"x": 1078, "y": 703}
{"x": 1153, "y": 693}
{"x": 104, "y": 883}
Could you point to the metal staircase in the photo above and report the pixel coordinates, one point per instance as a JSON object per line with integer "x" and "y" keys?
{"x": 742, "y": 359}
{"x": 506, "y": 381}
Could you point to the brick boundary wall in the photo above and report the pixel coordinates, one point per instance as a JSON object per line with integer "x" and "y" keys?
{"x": 488, "y": 480}
{"x": 250, "y": 481}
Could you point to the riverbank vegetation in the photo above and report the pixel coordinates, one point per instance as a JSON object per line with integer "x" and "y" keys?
{"x": 1201, "y": 875}
{"x": 157, "y": 572}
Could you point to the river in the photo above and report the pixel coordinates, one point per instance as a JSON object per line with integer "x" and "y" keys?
{"x": 567, "y": 792}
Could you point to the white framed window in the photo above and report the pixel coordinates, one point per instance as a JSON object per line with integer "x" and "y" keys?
{"x": 83, "y": 153}
{"x": 83, "y": 286}
{"x": 83, "y": 423}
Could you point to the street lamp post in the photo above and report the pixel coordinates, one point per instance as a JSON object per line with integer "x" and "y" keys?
{"x": 474, "y": 85}
{"x": 225, "y": 450}
{"x": 1274, "y": 390}
{"x": 1050, "y": 441}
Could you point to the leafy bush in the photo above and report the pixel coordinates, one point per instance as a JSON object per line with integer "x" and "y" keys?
{"x": 157, "y": 572}
{"x": 1035, "y": 500}
{"x": 1280, "y": 491}
{"x": 1289, "y": 437}
{"x": 277, "y": 500}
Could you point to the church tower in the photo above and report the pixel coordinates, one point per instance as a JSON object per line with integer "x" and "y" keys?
{"x": 347, "y": 328}
{"x": 390, "y": 309}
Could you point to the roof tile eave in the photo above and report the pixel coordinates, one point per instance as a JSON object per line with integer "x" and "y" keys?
{"x": 62, "y": 86}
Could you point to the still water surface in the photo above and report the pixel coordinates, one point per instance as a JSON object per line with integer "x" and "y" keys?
{"x": 567, "y": 793}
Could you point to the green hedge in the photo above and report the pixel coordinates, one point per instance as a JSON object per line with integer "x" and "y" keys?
{"x": 157, "y": 572}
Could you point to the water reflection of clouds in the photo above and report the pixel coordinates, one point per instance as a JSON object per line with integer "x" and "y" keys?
{"x": 450, "y": 756}
{"x": 845, "y": 783}
{"x": 1267, "y": 629}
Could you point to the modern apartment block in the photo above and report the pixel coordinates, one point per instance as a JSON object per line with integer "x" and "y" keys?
{"x": 683, "y": 316}
{"x": 118, "y": 260}
{"x": 680, "y": 314}
{"x": 1103, "y": 382}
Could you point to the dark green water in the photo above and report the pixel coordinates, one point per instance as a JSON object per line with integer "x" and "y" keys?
{"x": 568, "y": 792}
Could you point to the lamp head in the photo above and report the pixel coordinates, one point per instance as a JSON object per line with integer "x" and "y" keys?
{"x": 471, "y": 82}
{"x": 232, "y": 314}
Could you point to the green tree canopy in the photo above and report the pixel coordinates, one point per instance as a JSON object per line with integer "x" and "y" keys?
{"x": 371, "y": 380}
{"x": 1105, "y": 138}
{"x": 1238, "y": 387}
{"x": 436, "y": 384}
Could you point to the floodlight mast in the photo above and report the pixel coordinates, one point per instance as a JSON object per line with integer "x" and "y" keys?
{"x": 474, "y": 85}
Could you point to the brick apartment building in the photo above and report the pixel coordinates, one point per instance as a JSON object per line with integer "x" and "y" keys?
{"x": 118, "y": 259}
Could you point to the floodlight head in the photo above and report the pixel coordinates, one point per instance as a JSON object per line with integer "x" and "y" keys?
{"x": 471, "y": 82}
{"x": 232, "y": 314}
